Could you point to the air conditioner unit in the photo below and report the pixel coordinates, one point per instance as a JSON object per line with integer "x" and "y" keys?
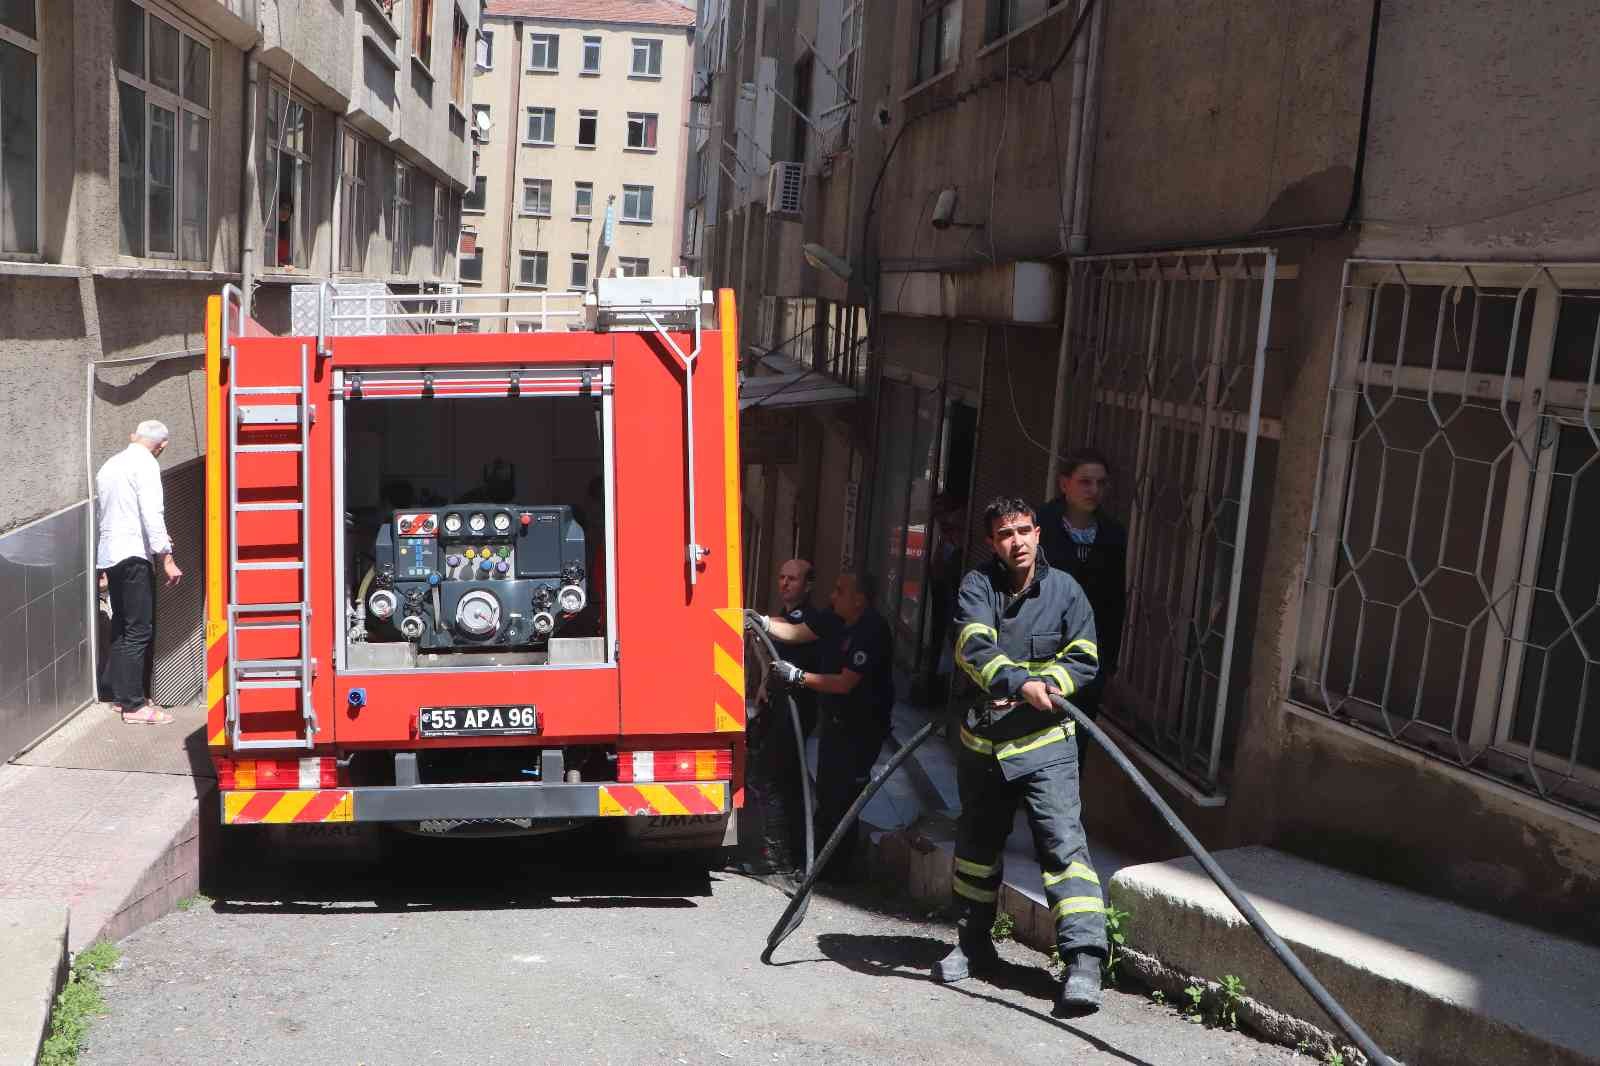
{"x": 449, "y": 308}
{"x": 786, "y": 183}
{"x": 701, "y": 92}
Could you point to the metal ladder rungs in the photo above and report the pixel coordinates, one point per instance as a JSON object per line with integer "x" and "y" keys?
{"x": 257, "y": 627}
{"x": 244, "y": 683}
{"x": 267, "y": 390}
{"x": 255, "y": 449}
{"x": 264, "y": 608}
{"x": 269, "y": 664}
{"x": 269, "y": 414}
{"x": 272, "y": 745}
{"x": 270, "y": 507}
{"x": 271, "y": 566}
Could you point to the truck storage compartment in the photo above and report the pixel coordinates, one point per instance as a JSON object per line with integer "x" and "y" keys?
{"x": 475, "y": 527}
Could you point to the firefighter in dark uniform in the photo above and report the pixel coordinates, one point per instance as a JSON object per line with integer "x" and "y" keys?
{"x": 775, "y": 766}
{"x": 1024, "y": 632}
{"x": 855, "y": 685}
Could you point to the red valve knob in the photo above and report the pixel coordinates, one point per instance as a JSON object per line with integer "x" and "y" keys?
{"x": 527, "y": 519}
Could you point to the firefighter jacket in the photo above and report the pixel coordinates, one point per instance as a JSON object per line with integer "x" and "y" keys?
{"x": 1004, "y": 640}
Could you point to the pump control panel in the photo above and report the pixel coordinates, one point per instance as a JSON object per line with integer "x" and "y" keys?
{"x": 477, "y": 576}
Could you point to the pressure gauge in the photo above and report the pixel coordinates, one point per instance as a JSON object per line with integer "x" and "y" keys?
{"x": 478, "y": 614}
{"x": 502, "y": 523}
{"x": 477, "y": 523}
{"x": 452, "y": 523}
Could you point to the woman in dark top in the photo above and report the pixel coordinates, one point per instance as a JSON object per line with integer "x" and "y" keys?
{"x": 1080, "y": 538}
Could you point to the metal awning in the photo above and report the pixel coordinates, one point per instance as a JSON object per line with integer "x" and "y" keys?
{"x": 788, "y": 383}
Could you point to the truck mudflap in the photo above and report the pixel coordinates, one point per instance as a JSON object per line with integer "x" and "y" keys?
{"x": 418, "y": 803}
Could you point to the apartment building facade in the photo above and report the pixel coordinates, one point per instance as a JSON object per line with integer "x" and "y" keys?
{"x": 152, "y": 151}
{"x": 1318, "y": 278}
{"x": 579, "y": 113}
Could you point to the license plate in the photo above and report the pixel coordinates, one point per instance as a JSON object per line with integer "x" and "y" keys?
{"x": 520, "y": 720}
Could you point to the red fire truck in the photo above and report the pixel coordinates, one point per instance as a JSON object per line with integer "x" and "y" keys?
{"x": 476, "y": 579}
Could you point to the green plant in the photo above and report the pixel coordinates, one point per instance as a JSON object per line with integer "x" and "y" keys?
{"x": 1332, "y": 1057}
{"x": 1158, "y": 998}
{"x": 78, "y": 1004}
{"x": 1196, "y": 994}
{"x": 1228, "y": 1002}
{"x": 1116, "y": 938}
{"x": 189, "y": 903}
{"x": 1004, "y": 926}
{"x": 1058, "y": 969}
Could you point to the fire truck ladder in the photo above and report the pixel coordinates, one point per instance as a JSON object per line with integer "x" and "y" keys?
{"x": 296, "y": 673}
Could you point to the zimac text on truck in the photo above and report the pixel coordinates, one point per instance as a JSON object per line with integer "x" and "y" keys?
{"x": 477, "y": 581}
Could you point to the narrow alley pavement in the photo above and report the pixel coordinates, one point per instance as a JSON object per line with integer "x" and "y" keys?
{"x": 507, "y": 951}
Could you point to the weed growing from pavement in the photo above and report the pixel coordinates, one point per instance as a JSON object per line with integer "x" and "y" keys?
{"x": 1003, "y": 928}
{"x": 199, "y": 899}
{"x": 1196, "y": 993}
{"x": 1158, "y": 997}
{"x": 1228, "y": 1003}
{"x": 78, "y": 1004}
{"x": 1116, "y": 937}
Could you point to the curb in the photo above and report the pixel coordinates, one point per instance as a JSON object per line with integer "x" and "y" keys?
{"x": 33, "y": 970}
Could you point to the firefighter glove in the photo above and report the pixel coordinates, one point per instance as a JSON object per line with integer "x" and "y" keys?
{"x": 787, "y": 672}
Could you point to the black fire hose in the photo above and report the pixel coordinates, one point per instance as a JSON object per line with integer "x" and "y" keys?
{"x": 799, "y": 744}
{"x": 795, "y": 913}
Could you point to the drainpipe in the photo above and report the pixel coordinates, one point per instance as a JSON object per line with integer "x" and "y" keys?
{"x": 1079, "y": 240}
{"x": 513, "y": 149}
{"x": 1069, "y": 169}
{"x": 249, "y": 216}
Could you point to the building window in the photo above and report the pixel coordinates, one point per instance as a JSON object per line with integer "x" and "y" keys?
{"x": 541, "y": 126}
{"x": 527, "y": 325}
{"x": 422, "y": 31}
{"x": 588, "y": 129}
{"x": 472, "y": 266}
{"x": 583, "y": 199}
{"x": 938, "y": 38}
{"x": 633, "y": 267}
{"x": 544, "y": 51}
{"x": 580, "y": 271}
{"x": 536, "y": 196}
{"x": 477, "y": 201}
{"x": 441, "y": 226}
{"x": 1009, "y": 16}
{"x": 19, "y": 127}
{"x": 534, "y": 269}
{"x": 485, "y": 49}
{"x": 641, "y": 131}
{"x": 638, "y": 203}
{"x": 287, "y": 182}
{"x": 646, "y": 57}
{"x": 591, "y": 55}
{"x": 164, "y": 136}
{"x": 1450, "y": 581}
{"x": 401, "y": 237}
{"x": 458, "y": 60}
{"x": 352, "y": 205}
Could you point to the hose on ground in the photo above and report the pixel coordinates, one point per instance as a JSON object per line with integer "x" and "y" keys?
{"x": 799, "y": 742}
{"x": 794, "y": 914}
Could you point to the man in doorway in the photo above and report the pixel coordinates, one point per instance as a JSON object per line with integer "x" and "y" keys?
{"x": 1025, "y": 635}
{"x": 855, "y": 687}
{"x": 133, "y": 540}
{"x": 1078, "y": 536}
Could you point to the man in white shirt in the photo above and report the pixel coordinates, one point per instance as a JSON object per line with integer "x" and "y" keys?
{"x": 133, "y": 536}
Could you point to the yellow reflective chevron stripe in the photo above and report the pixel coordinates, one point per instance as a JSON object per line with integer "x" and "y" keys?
{"x": 977, "y": 895}
{"x": 1075, "y": 869}
{"x": 977, "y": 744}
{"x": 1057, "y": 673}
{"x": 1077, "y": 905}
{"x": 973, "y": 869}
{"x": 970, "y": 630}
{"x": 992, "y": 667}
{"x": 1032, "y": 742}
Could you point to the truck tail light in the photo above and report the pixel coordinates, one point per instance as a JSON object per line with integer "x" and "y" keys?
{"x": 243, "y": 775}
{"x": 698, "y": 765}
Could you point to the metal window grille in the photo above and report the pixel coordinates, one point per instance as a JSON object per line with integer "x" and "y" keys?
{"x": 1168, "y": 359}
{"x": 1452, "y": 600}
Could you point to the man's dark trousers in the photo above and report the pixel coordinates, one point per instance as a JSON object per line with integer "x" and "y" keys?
{"x": 845, "y": 754}
{"x": 1047, "y": 788}
{"x": 132, "y": 584}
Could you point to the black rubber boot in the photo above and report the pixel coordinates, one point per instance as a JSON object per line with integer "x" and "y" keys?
{"x": 974, "y": 952}
{"x": 1080, "y": 991}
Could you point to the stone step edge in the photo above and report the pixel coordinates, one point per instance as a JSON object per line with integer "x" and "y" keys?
{"x": 920, "y": 862}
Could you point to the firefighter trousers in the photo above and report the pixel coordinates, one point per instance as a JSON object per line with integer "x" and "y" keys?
{"x": 1048, "y": 792}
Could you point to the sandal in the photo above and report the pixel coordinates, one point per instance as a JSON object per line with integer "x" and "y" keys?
{"x": 149, "y": 714}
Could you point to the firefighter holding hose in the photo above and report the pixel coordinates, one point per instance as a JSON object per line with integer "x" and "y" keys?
{"x": 1024, "y": 631}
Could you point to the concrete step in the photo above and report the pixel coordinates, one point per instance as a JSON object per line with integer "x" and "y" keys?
{"x": 33, "y": 967}
{"x": 1431, "y": 982}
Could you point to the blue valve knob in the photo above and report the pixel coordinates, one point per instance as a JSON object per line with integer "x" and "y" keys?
{"x": 433, "y": 579}
{"x": 502, "y": 567}
{"x": 486, "y": 565}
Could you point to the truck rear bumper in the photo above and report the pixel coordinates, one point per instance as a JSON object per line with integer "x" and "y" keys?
{"x": 416, "y": 803}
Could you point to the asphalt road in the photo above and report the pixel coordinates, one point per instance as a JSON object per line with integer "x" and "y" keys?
{"x": 515, "y": 951}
